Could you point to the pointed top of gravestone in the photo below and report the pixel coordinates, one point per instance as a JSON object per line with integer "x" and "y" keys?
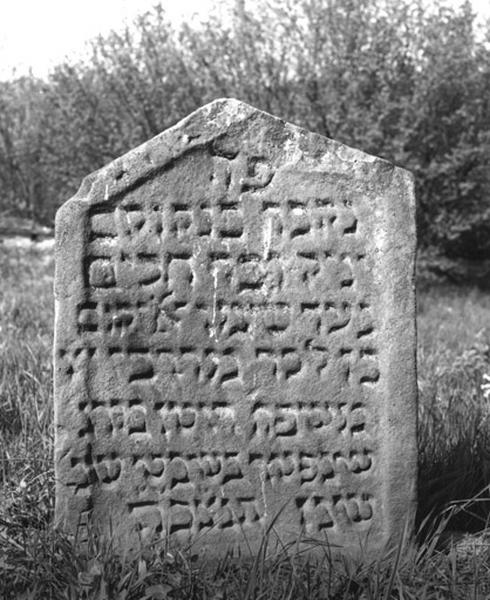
{"x": 210, "y": 123}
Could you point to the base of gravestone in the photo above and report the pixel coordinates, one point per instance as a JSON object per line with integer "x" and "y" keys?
{"x": 111, "y": 542}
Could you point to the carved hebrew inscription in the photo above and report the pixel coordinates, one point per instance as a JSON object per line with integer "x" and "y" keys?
{"x": 224, "y": 360}
{"x": 213, "y": 358}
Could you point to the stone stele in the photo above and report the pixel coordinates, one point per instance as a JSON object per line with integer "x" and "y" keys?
{"x": 235, "y": 340}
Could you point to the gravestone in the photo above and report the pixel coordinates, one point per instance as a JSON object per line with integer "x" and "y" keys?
{"x": 235, "y": 340}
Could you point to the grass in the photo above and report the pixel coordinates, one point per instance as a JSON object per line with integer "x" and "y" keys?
{"x": 454, "y": 457}
{"x": 454, "y": 415}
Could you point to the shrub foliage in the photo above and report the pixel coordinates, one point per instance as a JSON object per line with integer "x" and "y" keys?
{"x": 393, "y": 78}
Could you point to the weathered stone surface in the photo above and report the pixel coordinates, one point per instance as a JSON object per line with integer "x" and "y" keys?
{"x": 235, "y": 336}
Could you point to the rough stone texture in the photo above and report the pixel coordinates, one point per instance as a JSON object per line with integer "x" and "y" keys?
{"x": 235, "y": 337}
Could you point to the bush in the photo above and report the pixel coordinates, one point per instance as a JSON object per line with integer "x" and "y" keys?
{"x": 408, "y": 84}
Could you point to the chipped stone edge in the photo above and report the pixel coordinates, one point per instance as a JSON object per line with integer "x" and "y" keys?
{"x": 398, "y": 425}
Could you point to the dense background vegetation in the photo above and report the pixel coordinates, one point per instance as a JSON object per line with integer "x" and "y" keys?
{"x": 392, "y": 78}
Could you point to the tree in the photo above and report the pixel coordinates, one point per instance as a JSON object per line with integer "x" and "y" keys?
{"x": 21, "y": 166}
{"x": 392, "y": 78}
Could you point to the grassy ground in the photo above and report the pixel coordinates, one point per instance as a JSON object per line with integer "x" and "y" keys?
{"x": 454, "y": 456}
